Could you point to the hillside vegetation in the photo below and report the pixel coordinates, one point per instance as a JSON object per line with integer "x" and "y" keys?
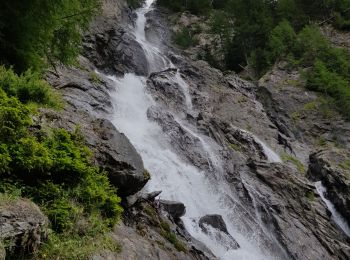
{"x": 259, "y": 33}
{"x": 52, "y": 167}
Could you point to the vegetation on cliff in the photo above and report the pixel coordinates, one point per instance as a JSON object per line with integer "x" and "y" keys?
{"x": 52, "y": 167}
{"x": 259, "y": 33}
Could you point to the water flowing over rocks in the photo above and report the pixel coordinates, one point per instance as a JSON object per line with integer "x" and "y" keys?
{"x": 234, "y": 152}
{"x": 88, "y": 104}
{"x": 324, "y": 167}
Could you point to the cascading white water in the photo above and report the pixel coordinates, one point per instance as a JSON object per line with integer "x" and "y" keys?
{"x": 336, "y": 216}
{"x": 201, "y": 193}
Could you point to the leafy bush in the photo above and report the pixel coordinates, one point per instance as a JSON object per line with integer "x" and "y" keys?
{"x": 54, "y": 169}
{"x": 184, "y": 38}
{"x": 194, "y": 6}
{"x": 28, "y": 87}
{"x": 281, "y": 41}
{"x": 35, "y": 34}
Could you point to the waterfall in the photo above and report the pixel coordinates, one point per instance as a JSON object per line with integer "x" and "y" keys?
{"x": 336, "y": 216}
{"x": 202, "y": 193}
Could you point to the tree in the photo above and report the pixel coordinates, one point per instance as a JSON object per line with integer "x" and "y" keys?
{"x": 39, "y": 32}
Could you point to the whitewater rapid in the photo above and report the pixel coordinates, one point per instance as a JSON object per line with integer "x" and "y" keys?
{"x": 201, "y": 193}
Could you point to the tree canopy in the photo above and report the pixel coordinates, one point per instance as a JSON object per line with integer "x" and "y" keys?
{"x": 36, "y": 33}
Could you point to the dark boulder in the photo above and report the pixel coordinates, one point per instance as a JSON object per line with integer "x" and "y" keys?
{"x": 174, "y": 208}
{"x": 220, "y": 232}
{"x": 216, "y": 221}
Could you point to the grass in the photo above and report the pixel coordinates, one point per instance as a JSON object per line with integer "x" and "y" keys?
{"x": 345, "y": 164}
{"x": 235, "y": 147}
{"x": 310, "y": 195}
{"x": 165, "y": 229}
{"x": 295, "y": 161}
{"x": 95, "y": 78}
{"x": 9, "y": 197}
{"x": 296, "y": 116}
{"x": 310, "y": 106}
{"x": 170, "y": 236}
{"x": 61, "y": 247}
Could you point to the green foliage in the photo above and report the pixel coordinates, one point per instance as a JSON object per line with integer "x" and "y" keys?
{"x": 281, "y": 41}
{"x": 36, "y": 33}
{"x": 54, "y": 169}
{"x": 299, "y": 165}
{"x": 74, "y": 247}
{"x": 194, "y": 6}
{"x": 171, "y": 237}
{"x": 28, "y": 87}
{"x": 310, "y": 195}
{"x": 345, "y": 164}
{"x": 184, "y": 38}
{"x": 95, "y": 78}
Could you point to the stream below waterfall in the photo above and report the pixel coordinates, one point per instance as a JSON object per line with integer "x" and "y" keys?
{"x": 202, "y": 192}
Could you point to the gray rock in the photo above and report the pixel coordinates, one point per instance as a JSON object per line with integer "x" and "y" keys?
{"x": 115, "y": 51}
{"x": 324, "y": 166}
{"x": 88, "y": 102}
{"x": 216, "y": 221}
{"x": 220, "y": 232}
{"x": 175, "y": 209}
{"x": 23, "y": 223}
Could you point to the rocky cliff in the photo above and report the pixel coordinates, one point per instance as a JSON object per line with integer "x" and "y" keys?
{"x": 275, "y": 198}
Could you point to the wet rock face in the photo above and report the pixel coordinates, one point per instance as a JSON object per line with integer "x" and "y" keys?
{"x": 116, "y": 52}
{"x": 166, "y": 90}
{"x": 216, "y": 221}
{"x": 145, "y": 234}
{"x": 175, "y": 209}
{"x": 289, "y": 206}
{"x": 220, "y": 232}
{"x": 324, "y": 166}
{"x": 22, "y": 223}
{"x": 88, "y": 104}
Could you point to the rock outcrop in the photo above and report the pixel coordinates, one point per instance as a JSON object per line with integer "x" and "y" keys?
{"x": 88, "y": 104}
{"x": 23, "y": 226}
{"x": 330, "y": 168}
{"x": 175, "y": 209}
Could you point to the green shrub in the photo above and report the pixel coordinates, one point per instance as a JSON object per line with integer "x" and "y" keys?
{"x": 281, "y": 41}
{"x": 184, "y": 38}
{"x": 54, "y": 169}
{"x": 194, "y": 6}
{"x": 28, "y": 87}
{"x": 36, "y": 34}
{"x": 75, "y": 247}
{"x": 299, "y": 165}
{"x": 321, "y": 79}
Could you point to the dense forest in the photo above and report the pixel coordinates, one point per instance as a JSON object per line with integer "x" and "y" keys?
{"x": 261, "y": 32}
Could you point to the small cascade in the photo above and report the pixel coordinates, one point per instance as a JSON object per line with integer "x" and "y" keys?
{"x": 270, "y": 154}
{"x": 336, "y": 216}
{"x": 203, "y": 192}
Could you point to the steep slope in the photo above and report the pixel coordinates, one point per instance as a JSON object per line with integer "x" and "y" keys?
{"x": 217, "y": 143}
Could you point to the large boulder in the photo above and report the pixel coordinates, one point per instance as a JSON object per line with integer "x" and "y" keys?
{"x": 215, "y": 226}
{"x": 115, "y": 154}
{"x": 175, "y": 209}
{"x": 116, "y": 52}
{"x": 22, "y": 224}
